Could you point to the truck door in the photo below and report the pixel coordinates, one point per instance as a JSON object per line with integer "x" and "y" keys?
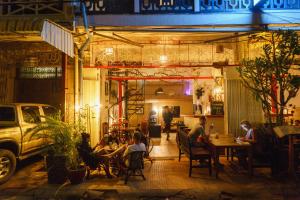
{"x": 30, "y": 117}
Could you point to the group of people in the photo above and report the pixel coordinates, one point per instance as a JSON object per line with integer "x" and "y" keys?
{"x": 92, "y": 156}
{"x": 199, "y": 137}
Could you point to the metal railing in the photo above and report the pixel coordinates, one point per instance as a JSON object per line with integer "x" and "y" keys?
{"x": 109, "y": 6}
{"x": 95, "y": 7}
{"x": 225, "y": 5}
{"x": 281, "y": 4}
{"x": 31, "y": 7}
{"x": 166, "y": 6}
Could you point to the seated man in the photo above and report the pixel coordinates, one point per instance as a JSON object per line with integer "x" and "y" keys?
{"x": 137, "y": 146}
{"x": 197, "y": 135}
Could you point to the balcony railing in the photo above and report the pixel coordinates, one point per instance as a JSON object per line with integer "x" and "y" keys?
{"x": 31, "y": 7}
{"x": 109, "y": 6}
{"x": 282, "y": 4}
{"x": 182, "y": 6}
{"x": 225, "y": 5}
{"x": 94, "y": 7}
{"x": 166, "y": 6}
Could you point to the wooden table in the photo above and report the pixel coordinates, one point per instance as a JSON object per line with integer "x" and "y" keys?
{"x": 114, "y": 155}
{"x": 229, "y": 142}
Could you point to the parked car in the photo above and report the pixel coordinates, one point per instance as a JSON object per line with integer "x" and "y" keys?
{"x": 16, "y": 143}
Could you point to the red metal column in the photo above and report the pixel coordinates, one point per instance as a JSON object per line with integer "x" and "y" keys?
{"x": 120, "y": 103}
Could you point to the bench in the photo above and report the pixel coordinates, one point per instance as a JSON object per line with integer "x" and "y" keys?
{"x": 194, "y": 153}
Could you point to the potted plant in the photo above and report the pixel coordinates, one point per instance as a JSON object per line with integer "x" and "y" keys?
{"x": 269, "y": 76}
{"x": 62, "y": 157}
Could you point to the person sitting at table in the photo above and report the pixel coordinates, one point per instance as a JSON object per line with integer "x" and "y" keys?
{"x": 92, "y": 156}
{"x": 249, "y": 137}
{"x": 136, "y": 146}
{"x": 197, "y": 134}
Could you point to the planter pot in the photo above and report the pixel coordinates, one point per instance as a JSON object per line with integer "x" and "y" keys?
{"x": 56, "y": 169}
{"x": 77, "y": 176}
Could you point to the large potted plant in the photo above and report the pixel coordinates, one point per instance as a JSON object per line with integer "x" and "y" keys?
{"x": 62, "y": 157}
{"x": 269, "y": 76}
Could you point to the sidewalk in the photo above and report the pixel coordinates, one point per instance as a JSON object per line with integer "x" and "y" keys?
{"x": 166, "y": 179}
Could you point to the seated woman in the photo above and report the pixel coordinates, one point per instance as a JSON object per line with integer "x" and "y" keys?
{"x": 249, "y": 137}
{"x": 91, "y": 156}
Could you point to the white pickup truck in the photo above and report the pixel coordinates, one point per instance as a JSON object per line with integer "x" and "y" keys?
{"x": 16, "y": 120}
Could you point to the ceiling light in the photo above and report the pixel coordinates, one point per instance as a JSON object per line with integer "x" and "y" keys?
{"x": 159, "y": 91}
{"x": 163, "y": 58}
{"x": 108, "y": 51}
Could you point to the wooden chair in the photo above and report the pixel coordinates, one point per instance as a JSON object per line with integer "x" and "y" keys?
{"x": 92, "y": 162}
{"x": 179, "y": 128}
{"x": 136, "y": 165}
{"x": 194, "y": 153}
{"x": 97, "y": 162}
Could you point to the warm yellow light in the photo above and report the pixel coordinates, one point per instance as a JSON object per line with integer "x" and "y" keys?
{"x": 218, "y": 90}
{"x": 163, "y": 58}
{"x": 77, "y": 108}
{"x": 108, "y": 51}
{"x": 155, "y": 109}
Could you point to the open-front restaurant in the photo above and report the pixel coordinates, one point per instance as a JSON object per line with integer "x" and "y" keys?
{"x": 182, "y": 94}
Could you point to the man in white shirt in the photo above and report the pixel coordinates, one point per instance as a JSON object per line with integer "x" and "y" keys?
{"x": 137, "y": 146}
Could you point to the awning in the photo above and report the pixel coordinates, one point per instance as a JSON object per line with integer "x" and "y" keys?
{"x": 58, "y": 36}
{"x": 37, "y": 30}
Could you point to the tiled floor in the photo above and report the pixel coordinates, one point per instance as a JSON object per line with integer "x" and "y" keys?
{"x": 164, "y": 149}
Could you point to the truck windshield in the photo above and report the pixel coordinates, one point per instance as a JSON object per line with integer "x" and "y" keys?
{"x": 7, "y": 114}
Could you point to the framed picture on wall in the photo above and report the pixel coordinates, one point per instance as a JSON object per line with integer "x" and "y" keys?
{"x": 139, "y": 110}
{"x": 176, "y": 111}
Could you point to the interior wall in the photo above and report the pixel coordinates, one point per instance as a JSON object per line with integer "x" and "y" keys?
{"x": 91, "y": 106}
{"x": 70, "y": 91}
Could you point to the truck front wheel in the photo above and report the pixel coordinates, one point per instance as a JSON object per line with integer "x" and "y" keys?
{"x": 7, "y": 165}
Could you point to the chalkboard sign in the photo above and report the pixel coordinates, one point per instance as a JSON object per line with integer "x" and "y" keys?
{"x": 217, "y": 108}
